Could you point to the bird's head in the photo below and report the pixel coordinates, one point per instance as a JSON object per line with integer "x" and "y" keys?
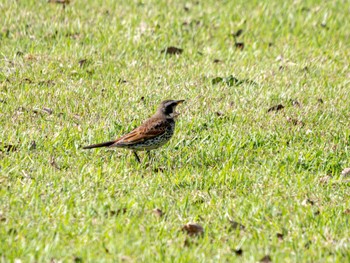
{"x": 168, "y": 107}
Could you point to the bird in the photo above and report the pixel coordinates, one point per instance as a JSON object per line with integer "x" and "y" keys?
{"x": 151, "y": 134}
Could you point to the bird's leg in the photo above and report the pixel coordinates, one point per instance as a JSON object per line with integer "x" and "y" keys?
{"x": 137, "y": 157}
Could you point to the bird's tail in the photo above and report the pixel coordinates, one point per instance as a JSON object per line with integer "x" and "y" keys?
{"x": 104, "y": 144}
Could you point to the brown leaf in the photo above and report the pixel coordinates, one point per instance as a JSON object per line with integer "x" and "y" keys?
{"x": 280, "y": 236}
{"x": 346, "y": 172}
{"x": 347, "y": 211}
{"x": 157, "y": 212}
{"x": 239, "y": 45}
{"x": 276, "y": 108}
{"x": 217, "y": 61}
{"x": 239, "y": 252}
{"x": 82, "y": 62}
{"x": 266, "y": 259}
{"x": 193, "y": 229}
{"x": 172, "y": 51}
{"x": 235, "y": 225}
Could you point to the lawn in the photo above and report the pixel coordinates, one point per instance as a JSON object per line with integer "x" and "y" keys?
{"x": 257, "y": 155}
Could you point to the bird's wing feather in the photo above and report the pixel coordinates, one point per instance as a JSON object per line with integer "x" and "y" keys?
{"x": 147, "y": 130}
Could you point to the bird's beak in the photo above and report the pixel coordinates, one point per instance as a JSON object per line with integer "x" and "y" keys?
{"x": 179, "y": 102}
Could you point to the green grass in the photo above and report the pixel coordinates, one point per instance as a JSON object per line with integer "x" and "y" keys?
{"x": 61, "y": 203}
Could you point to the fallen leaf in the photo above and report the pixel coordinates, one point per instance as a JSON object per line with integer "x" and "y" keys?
{"x": 266, "y": 259}
{"x": 276, "y": 108}
{"x": 347, "y": 211}
{"x": 346, "y": 172}
{"x": 193, "y": 229}
{"x": 235, "y": 225}
{"x": 280, "y": 236}
{"x": 239, "y": 45}
{"x": 217, "y": 61}
{"x": 172, "y": 51}
{"x": 239, "y": 252}
{"x": 82, "y": 62}
{"x": 157, "y": 212}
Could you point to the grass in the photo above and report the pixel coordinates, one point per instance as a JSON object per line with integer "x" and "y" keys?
{"x": 94, "y": 70}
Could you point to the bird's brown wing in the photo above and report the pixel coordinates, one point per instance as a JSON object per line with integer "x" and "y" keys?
{"x": 148, "y": 130}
